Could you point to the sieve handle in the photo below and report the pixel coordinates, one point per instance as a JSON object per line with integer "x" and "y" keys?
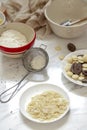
{"x": 14, "y": 90}
{"x": 43, "y": 46}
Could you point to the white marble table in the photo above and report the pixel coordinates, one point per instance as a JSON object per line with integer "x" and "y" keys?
{"x": 12, "y": 70}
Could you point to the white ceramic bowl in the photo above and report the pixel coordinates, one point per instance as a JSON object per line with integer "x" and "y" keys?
{"x": 39, "y": 89}
{"x": 61, "y": 10}
{"x": 26, "y": 30}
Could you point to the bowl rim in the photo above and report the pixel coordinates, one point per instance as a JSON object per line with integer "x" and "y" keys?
{"x": 4, "y": 18}
{"x": 53, "y": 22}
{"x": 19, "y": 49}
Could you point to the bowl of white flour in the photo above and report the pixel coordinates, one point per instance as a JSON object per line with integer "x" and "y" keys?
{"x": 16, "y": 38}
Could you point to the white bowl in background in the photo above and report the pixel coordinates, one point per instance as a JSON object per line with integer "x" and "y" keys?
{"x": 61, "y": 10}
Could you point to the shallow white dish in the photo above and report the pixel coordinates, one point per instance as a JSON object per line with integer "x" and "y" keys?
{"x": 79, "y": 52}
{"x": 38, "y": 89}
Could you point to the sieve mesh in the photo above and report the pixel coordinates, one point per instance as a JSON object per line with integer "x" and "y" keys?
{"x": 35, "y": 59}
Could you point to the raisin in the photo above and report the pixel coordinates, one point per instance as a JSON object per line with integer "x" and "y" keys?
{"x": 71, "y": 47}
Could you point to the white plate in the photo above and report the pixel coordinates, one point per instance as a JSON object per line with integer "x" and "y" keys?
{"x": 79, "y": 52}
{"x": 38, "y": 89}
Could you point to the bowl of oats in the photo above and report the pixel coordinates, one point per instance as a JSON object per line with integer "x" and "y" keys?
{"x": 44, "y": 103}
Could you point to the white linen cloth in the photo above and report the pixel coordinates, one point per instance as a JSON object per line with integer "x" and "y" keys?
{"x": 30, "y": 12}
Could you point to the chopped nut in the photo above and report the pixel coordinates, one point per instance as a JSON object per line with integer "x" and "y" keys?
{"x": 75, "y": 76}
{"x": 67, "y": 67}
{"x": 85, "y": 65}
{"x": 70, "y": 60}
{"x": 85, "y": 58}
{"x": 69, "y": 73}
{"x": 61, "y": 57}
{"x": 81, "y": 78}
{"x": 57, "y": 48}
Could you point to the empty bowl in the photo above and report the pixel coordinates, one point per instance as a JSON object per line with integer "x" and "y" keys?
{"x": 60, "y": 11}
{"x": 11, "y": 35}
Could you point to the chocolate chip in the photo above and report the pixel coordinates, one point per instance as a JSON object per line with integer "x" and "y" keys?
{"x": 76, "y": 68}
{"x": 71, "y": 47}
{"x": 84, "y": 81}
{"x": 84, "y": 72}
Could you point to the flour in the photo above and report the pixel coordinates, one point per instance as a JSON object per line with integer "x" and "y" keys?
{"x": 12, "y": 38}
{"x": 38, "y": 62}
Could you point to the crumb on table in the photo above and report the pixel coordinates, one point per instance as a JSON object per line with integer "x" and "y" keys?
{"x": 57, "y": 48}
{"x": 61, "y": 57}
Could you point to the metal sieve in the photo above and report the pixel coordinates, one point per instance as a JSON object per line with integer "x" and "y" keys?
{"x": 34, "y": 60}
{"x": 35, "y": 54}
